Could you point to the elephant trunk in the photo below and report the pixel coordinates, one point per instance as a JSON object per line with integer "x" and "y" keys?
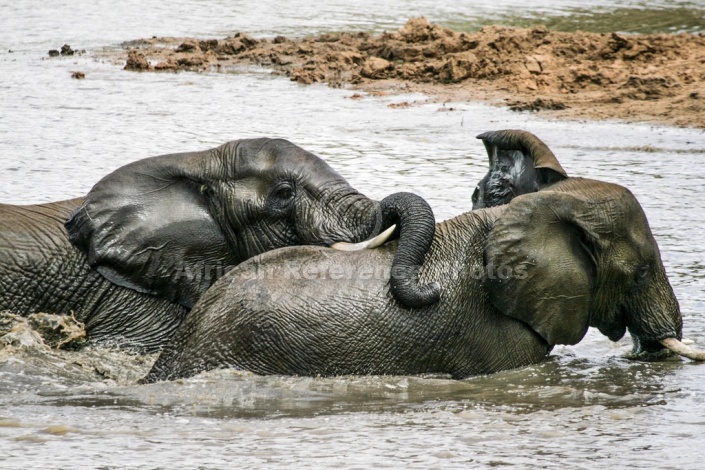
{"x": 416, "y": 227}
{"x": 654, "y": 320}
{"x": 341, "y": 215}
{"x": 410, "y": 218}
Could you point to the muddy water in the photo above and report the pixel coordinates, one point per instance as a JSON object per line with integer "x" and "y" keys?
{"x": 585, "y": 407}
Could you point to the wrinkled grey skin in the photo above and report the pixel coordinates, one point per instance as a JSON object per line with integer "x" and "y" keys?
{"x": 520, "y": 163}
{"x": 133, "y": 256}
{"x": 517, "y": 279}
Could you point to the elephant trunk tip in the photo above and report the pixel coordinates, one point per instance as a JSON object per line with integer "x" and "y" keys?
{"x": 412, "y": 295}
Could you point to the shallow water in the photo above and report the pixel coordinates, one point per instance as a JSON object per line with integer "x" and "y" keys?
{"x": 585, "y": 407}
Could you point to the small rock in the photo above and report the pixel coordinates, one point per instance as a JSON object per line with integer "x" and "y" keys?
{"x": 375, "y": 67}
{"x": 307, "y": 76}
{"x": 247, "y": 40}
{"x": 167, "y": 66}
{"x": 66, "y": 50}
{"x": 208, "y": 45}
{"x": 536, "y": 105}
{"x": 619, "y": 40}
{"x": 532, "y": 65}
{"x": 189, "y": 45}
{"x": 195, "y": 61}
{"x": 458, "y": 68}
{"x": 235, "y": 45}
{"x": 53, "y": 53}
{"x": 136, "y": 61}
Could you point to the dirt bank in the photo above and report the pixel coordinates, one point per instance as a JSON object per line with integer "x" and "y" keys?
{"x": 641, "y": 78}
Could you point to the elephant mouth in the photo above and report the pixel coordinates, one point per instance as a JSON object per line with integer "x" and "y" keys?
{"x": 648, "y": 350}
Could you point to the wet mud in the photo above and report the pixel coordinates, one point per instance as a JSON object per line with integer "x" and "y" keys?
{"x": 657, "y": 78}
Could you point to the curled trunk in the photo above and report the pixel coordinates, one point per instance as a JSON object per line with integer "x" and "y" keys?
{"x": 416, "y": 228}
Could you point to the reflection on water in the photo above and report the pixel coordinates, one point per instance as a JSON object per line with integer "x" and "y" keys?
{"x": 583, "y": 408}
{"x": 586, "y": 407}
{"x": 626, "y": 20}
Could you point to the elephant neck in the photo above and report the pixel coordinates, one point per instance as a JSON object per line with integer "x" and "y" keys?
{"x": 469, "y": 227}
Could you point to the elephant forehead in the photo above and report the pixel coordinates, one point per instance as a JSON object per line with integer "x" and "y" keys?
{"x": 250, "y": 188}
{"x": 272, "y": 158}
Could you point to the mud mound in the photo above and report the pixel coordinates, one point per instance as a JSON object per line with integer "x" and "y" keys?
{"x": 659, "y": 77}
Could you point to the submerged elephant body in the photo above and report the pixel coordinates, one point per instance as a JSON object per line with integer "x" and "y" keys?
{"x": 132, "y": 257}
{"x": 516, "y": 280}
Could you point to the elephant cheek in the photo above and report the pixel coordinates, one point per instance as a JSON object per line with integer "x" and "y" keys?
{"x": 269, "y": 235}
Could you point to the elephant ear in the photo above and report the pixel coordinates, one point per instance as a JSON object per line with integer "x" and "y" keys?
{"x": 147, "y": 226}
{"x": 519, "y": 163}
{"x": 540, "y": 264}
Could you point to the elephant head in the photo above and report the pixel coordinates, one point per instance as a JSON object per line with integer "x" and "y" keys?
{"x": 171, "y": 225}
{"x": 586, "y": 257}
{"x": 520, "y": 163}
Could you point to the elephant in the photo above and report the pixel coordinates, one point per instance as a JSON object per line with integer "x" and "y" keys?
{"x": 520, "y": 163}
{"x": 133, "y": 256}
{"x": 517, "y": 279}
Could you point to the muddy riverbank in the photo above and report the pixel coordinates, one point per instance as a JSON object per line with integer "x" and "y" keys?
{"x": 657, "y": 78}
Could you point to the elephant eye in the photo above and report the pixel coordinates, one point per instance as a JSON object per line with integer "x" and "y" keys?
{"x": 205, "y": 189}
{"x": 285, "y": 193}
{"x": 282, "y": 195}
{"x": 642, "y": 274}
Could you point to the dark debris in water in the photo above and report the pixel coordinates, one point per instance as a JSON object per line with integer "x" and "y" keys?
{"x": 536, "y": 105}
{"x": 66, "y": 50}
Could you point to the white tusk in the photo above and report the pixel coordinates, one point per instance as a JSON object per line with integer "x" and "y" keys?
{"x": 371, "y": 243}
{"x": 683, "y": 350}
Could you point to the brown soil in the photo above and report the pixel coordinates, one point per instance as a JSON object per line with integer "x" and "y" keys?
{"x": 648, "y": 78}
